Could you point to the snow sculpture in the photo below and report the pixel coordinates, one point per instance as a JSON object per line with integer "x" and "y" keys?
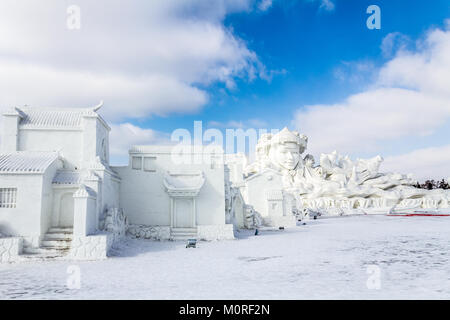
{"x": 115, "y": 222}
{"x": 269, "y": 184}
{"x": 184, "y": 183}
{"x": 183, "y": 189}
{"x": 253, "y": 219}
{"x": 280, "y": 152}
{"x": 281, "y": 183}
{"x": 149, "y": 232}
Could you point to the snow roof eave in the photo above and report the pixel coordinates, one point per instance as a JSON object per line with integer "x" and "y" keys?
{"x": 26, "y": 162}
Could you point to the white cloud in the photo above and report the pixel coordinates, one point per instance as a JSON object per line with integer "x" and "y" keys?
{"x": 264, "y": 5}
{"x": 124, "y": 95}
{"x": 354, "y": 72}
{"x": 410, "y": 98}
{"x": 327, "y": 5}
{"x": 427, "y": 163}
{"x": 124, "y": 135}
{"x": 142, "y": 57}
{"x": 365, "y": 120}
{"x": 427, "y": 70}
{"x": 393, "y": 42}
{"x": 238, "y": 124}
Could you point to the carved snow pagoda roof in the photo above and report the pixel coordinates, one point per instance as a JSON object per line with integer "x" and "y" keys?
{"x": 54, "y": 118}
{"x": 26, "y": 162}
{"x": 67, "y": 177}
{"x": 184, "y": 184}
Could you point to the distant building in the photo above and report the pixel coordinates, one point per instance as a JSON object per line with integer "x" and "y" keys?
{"x": 171, "y": 195}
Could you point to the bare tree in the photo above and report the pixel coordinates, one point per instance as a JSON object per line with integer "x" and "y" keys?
{"x": 432, "y": 184}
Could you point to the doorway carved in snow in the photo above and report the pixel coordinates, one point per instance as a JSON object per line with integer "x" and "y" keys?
{"x": 184, "y": 213}
{"x": 66, "y": 210}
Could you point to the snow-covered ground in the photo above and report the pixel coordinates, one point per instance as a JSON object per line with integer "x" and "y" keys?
{"x": 325, "y": 259}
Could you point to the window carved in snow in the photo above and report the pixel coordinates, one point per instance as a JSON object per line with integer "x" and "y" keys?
{"x": 149, "y": 164}
{"x": 104, "y": 151}
{"x": 8, "y": 197}
{"x": 136, "y": 163}
{"x": 215, "y": 162}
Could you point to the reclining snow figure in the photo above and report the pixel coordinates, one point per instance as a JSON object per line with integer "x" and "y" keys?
{"x": 281, "y": 182}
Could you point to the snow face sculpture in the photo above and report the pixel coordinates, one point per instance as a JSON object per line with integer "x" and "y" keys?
{"x": 337, "y": 185}
{"x": 270, "y": 181}
{"x": 280, "y": 152}
{"x": 285, "y": 149}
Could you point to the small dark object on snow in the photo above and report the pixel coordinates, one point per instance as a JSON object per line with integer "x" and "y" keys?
{"x": 315, "y": 218}
{"x": 281, "y": 228}
{"x": 304, "y": 223}
{"x": 191, "y": 243}
{"x": 256, "y": 232}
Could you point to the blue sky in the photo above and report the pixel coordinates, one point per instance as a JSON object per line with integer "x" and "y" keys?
{"x": 311, "y": 65}
{"x": 309, "y": 43}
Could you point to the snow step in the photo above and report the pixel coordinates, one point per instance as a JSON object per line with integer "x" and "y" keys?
{"x": 43, "y": 250}
{"x": 56, "y": 243}
{"x": 183, "y": 237}
{"x": 57, "y": 239}
{"x": 60, "y": 230}
{"x": 53, "y": 249}
{"x": 41, "y": 256}
{"x": 58, "y": 236}
{"x": 183, "y": 234}
{"x": 60, "y": 243}
{"x": 184, "y": 229}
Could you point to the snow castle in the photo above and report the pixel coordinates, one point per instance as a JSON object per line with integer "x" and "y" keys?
{"x": 61, "y": 198}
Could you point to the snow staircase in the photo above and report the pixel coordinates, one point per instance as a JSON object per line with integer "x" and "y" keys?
{"x": 179, "y": 234}
{"x": 55, "y": 244}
